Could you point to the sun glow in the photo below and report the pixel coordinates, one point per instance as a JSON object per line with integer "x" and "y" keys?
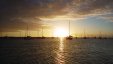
{"x": 60, "y": 32}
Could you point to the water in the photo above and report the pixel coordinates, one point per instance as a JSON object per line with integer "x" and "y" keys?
{"x": 56, "y": 51}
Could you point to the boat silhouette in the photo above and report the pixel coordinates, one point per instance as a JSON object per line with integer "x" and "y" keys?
{"x": 70, "y": 37}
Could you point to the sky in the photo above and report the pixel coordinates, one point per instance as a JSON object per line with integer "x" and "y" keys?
{"x": 89, "y": 16}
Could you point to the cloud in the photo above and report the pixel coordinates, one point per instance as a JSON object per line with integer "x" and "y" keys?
{"x": 92, "y": 6}
{"x": 32, "y": 8}
{"x": 46, "y": 8}
{"x": 19, "y": 24}
{"x": 108, "y": 17}
{"x": 26, "y": 11}
{"x": 15, "y": 14}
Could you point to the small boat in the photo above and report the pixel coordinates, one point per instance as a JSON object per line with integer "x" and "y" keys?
{"x": 69, "y": 37}
{"x": 28, "y": 38}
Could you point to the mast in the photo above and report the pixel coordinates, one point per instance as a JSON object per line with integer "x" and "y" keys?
{"x": 42, "y": 31}
{"x": 27, "y": 31}
{"x": 37, "y": 33}
{"x": 20, "y": 34}
{"x": 69, "y": 28}
{"x": 100, "y": 35}
{"x": 84, "y": 33}
{"x": 1, "y": 34}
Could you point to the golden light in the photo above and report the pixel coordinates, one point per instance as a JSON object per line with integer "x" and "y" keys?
{"x": 60, "y": 32}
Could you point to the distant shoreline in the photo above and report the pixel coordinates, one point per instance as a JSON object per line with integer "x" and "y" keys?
{"x": 55, "y": 37}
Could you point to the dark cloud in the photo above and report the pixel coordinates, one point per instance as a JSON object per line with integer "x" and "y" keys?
{"x": 16, "y": 14}
{"x": 19, "y": 24}
{"x": 31, "y": 8}
{"x": 27, "y": 10}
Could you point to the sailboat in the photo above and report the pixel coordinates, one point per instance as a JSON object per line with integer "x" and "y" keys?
{"x": 84, "y": 35}
{"x": 69, "y": 37}
{"x": 100, "y": 36}
{"x": 27, "y": 34}
{"x": 42, "y": 34}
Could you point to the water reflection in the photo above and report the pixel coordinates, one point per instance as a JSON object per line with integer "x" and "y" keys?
{"x": 60, "y": 54}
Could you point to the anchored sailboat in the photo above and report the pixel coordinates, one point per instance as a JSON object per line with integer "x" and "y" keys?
{"x": 43, "y": 33}
{"x": 100, "y": 35}
{"x": 84, "y": 35}
{"x": 69, "y": 36}
{"x": 27, "y": 36}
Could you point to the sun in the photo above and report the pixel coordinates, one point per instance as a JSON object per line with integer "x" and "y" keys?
{"x": 60, "y": 32}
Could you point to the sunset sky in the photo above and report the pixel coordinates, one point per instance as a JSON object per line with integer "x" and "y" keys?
{"x": 89, "y": 16}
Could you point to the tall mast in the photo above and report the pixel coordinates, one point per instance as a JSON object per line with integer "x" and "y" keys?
{"x": 1, "y": 34}
{"x": 20, "y": 34}
{"x": 69, "y": 28}
{"x": 27, "y": 29}
{"x": 37, "y": 33}
{"x": 100, "y": 34}
{"x": 84, "y": 33}
{"x": 42, "y": 31}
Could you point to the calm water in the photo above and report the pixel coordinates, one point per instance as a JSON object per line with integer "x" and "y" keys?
{"x": 56, "y": 51}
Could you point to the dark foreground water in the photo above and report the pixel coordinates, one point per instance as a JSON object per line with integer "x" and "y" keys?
{"x": 56, "y": 51}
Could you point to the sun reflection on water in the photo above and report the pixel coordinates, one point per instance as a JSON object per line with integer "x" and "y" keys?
{"x": 60, "y": 54}
{"x": 61, "y": 46}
